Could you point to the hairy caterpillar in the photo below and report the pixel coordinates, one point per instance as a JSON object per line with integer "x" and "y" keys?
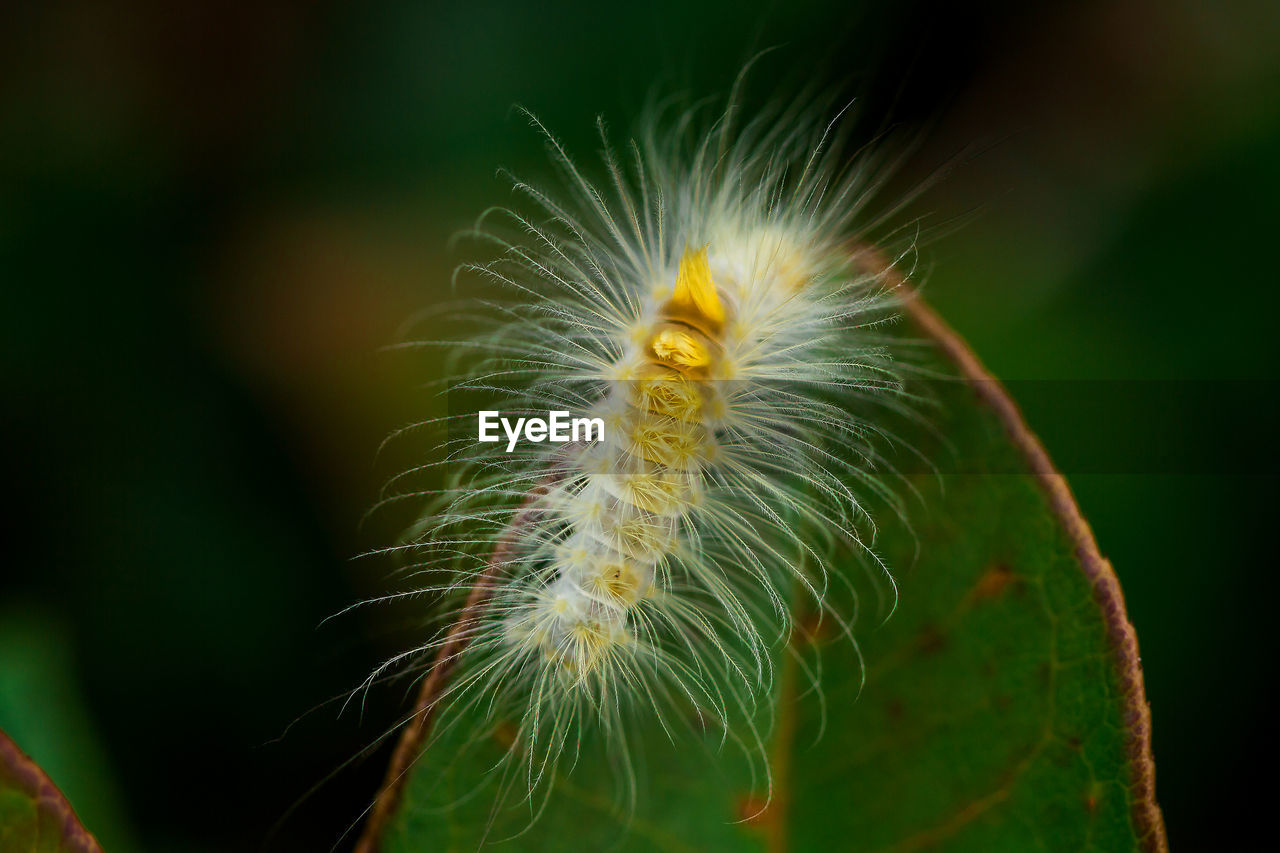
{"x": 701, "y": 302}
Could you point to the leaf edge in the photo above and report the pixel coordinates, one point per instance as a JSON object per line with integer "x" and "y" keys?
{"x": 47, "y": 796}
{"x": 1145, "y": 811}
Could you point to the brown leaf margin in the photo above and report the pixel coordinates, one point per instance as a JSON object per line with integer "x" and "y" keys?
{"x": 18, "y": 766}
{"x": 1145, "y": 811}
{"x": 410, "y": 746}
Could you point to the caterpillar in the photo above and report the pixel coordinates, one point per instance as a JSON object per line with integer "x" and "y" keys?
{"x": 700, "y": 303}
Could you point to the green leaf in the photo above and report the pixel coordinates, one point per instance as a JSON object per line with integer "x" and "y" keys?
{"x": 34, "y": 816}
{"x": 1003, "y": 708}
{"x": 42, "y": 708}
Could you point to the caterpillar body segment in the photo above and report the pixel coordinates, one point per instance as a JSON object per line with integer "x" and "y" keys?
{"x": 626, "y": 516}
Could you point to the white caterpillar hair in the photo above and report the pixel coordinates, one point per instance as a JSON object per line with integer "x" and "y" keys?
{"x": 701, "y": 302}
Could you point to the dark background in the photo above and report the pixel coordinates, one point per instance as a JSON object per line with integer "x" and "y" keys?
{"x": 212, "y": 215}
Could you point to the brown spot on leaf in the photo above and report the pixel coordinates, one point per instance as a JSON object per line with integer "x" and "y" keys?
{"x": 896, "y": 710}
{"x": 931, "y": 640}
{"x": 995, "y": 581}
{"x": 505, "y": 733}
{"x": 813, "y": 629}
{"x": 752, "y": 809}
{"x": 1092, "y": 797}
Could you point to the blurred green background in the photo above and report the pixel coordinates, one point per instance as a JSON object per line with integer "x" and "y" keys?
{"x": 212, "y": 215}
